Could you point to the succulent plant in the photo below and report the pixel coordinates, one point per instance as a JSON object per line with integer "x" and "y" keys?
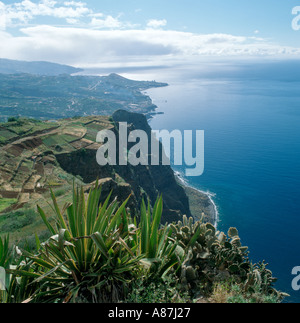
{"x": 210, "y": 254}
{"x": 213, "y": 256}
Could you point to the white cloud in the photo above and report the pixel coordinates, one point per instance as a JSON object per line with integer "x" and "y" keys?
{"x": 75, "y": 4}
{"x": 77, "y": 13}
{"x": 94, "y": 38}
{"x": 154, "y": 23}
{"x": 47, "y": 8}
{"x": 86, "y": 47}
{"x": 21, "y": 13}
{"x": 72, "y": 21}
{"x": 107, "y": 22}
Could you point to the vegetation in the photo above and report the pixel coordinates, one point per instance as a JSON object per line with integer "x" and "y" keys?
{"x": 18, "y": 127}
{"x": 28, "y": 151}
{"x": 98, "y": 253}
{"x": 16, "y": 220}
{"x": 6, "y": 203}
{"x": 233, "y": 293}
{"x": 63, "y": 96}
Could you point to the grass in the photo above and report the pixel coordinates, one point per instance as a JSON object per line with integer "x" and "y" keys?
{"x": 59, "y": 140}
{"x": 21, "y": 127}
{"x": 157, "y": 292}
{"x": 60, "y": 192}
{"x": 16, "y": 220}
{"x": 6, "y": 203}
{"x": 6, "y": 134}
{"x": 232, "y": 293}
{"x": 91, "y": 134}
{"x": 24, "y": 230}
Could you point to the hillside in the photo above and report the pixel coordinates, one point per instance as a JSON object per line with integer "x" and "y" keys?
{"x": 37, "y": 154}
{"x": 8, "y": 66}
{"x": 66, "y": 96}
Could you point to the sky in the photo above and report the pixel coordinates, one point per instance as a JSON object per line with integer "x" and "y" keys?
{"x": 103, "y": 33}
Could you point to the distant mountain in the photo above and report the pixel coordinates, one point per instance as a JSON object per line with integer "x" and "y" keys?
{"x": 8, "y": 66}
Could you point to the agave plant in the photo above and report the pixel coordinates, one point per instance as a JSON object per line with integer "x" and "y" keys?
{"x": 88, "y": 258}
{"x": 161, "y": 253}
{"x": 5, "y": 252}
{"x": 5, "y": 260}
{"x": 13, "y": 289}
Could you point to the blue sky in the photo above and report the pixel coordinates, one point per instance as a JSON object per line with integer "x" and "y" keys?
{"x": 137, "y": 32}
{"x": 271, "y": 17}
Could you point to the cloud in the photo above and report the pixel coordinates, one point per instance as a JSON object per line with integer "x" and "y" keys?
{"x": 107, "y": 22}
{"x": 153, "y": 23}
{"x": 96, "y": 47}
{"x": 94, "y": 38}
{"x": 49, "y": 8}
{"x": 74, "y": 12}
{"x": 75, "y": 4}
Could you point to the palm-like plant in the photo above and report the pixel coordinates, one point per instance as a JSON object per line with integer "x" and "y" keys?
{"x": 161, "y": 252}
{"x": 5, "y": 252}
{"x": 95, "y": 252}
{"x": 87, "y": 258}
{"x": 13, "y": 290}
{"x": 5, "y": 261}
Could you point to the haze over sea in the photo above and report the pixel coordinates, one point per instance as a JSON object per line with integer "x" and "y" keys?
{"x": 251, "y": 116}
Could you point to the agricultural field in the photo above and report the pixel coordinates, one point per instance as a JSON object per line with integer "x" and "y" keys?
{"x": 29, "y": 167}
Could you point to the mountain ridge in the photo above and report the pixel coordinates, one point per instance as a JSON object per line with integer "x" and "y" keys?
{"x": 8, "y": 66}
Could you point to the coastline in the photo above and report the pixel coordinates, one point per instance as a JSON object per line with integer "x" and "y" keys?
{"x": 201, "y": 203}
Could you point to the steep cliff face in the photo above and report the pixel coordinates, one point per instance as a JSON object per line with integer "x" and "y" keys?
{"x": 154, "y": 180}
{"x": 144, "y": 182}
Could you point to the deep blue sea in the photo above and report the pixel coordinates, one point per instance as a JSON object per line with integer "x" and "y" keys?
{"x": 252, "y": 158}
{"x": 250, "y": 112}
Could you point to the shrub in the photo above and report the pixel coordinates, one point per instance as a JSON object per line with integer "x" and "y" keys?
{"x": 12, "y": 119}
{"x": 87, "y": 259}
{"x": 164, "y": 291}
{"x": 212, "y": 257}
{"x": 98, "y": 253}
{"x": 17, "y": 220}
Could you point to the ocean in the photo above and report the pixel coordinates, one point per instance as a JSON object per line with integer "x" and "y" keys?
{"x": 250, "y": 112}
{"x": 252, "y": 158}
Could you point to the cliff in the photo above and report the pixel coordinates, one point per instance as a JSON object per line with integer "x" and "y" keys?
{"x": 145, "y": 182}
{"x": 36, "y": 155}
